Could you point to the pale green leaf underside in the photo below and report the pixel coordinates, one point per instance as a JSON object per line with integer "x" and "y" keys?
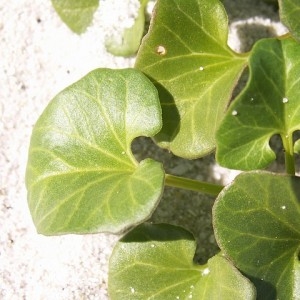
{"x": 268, "y": 105}
{"x": 81, "y": 174}
{"x": 156, "y": 262}
{"x": 186, "y": 55}
{"x": 257, "y": 225}
{"x": 289, "y": 15}
{"x": 131, "y": 37}
{"x": 77, "y": 14}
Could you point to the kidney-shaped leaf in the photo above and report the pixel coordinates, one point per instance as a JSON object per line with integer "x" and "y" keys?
{"x": 289, "y": 15}
{"x": 156, "y": 262}
{"x": 77, "y": 14}
{"x": 81, "y": 174}
{"x": 268, "y": 105}
{"x": 185, "y": 53}
{"x": 257, "y": 225}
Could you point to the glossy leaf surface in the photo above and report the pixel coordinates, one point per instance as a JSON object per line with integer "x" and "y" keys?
{"x": 289, "y": 15}
{"x": 156, "y": 262}
{"x": 257, "y": 225}
{"x": 81, "y": 174}
{"x": 77, "y": 14}
{"x": 268, "y": 105}
{"x": 185, "y": 53}
{"x": 131, "y": 37}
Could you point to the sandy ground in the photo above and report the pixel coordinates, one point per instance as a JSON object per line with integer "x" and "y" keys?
{"x": 39, "y": 56}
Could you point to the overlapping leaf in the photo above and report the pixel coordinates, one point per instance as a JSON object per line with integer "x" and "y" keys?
{"x": 257, "y": 225}
{"x": 186, "y": 55}
{"x": 81, "y": 175}
{"x": 131, "y": 37}
{"x": 77, "y": 14}
{"x": 268, "y": 105}
{"x": 289, "y": 15}
{"x": 156, "y": 262}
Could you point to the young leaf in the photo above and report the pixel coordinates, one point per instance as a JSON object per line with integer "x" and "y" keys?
{"x": 289, "y": 15}
{"x": 81, "y": 174}
{"x": 131, "y": 37}
{"x": 297, "y": 146}
{"x": 156, "y": 262}
{"x": 268, "y": 105}
{"x": 257, "y": 225}
{"x": 77, "y": 14}
{"x": 185, "y": 53}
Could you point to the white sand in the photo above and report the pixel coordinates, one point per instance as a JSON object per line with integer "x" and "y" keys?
{"x": 39, "y": 56}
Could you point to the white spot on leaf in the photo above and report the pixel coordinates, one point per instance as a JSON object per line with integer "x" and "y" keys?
{"x": 132, "y": 290}
{"x": 161, "y": 50}
{"x": 205, "y": 272}
{"x": 285, "y": 100}
{"x": 283, "y": 207}
{"x": 201, "y": 68}
{"x": 234, "y": 113}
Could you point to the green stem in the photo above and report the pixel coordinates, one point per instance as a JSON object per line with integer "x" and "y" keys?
{"x": 287, "y": 141}
{"x": 193, "y": 185}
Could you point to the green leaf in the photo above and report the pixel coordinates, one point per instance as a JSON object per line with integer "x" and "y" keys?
{"x": 268, "y": 105}
{"x": 185, "y": 53}
{"x": 77, "y": 14}
{"x": 297, "y": 146}
{"x": 257, "y": 226}
{"x": 156, "y": 262}
{"x": 289, "y": 15}
{"x": 131, "y": 37}
{"x": 82, "y": 176}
